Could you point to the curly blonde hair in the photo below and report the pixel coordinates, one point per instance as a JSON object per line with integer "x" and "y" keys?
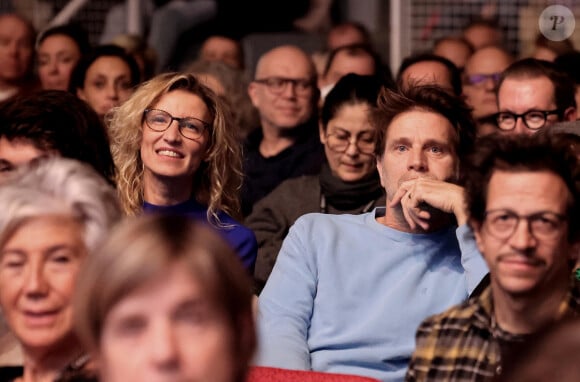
{"x": 216, "y": 183}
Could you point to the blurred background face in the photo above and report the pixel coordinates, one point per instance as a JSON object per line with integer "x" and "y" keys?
{"x": 16, "y": 49}
{"x": 172, "y": 331}
{"x": 107, "y": 84}
{"x": 344, "y": 35}
{"x": 222, "y": 49}
{"x": 288, "y": 107}
{"x": 455, "y": 51}
{"x": 38, "y": 269}
{"x": 480, "y": 79}
{"x": 17, "y": 152}
{"x": 57, "y": 56}
{"x": 350, "y": 124}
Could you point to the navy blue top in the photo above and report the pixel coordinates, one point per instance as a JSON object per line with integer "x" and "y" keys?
{"x": 241, "y": 238}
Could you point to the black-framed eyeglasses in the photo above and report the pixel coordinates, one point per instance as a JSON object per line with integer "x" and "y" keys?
{"x": 160, "y": 120}
{"x": 277, "y": 84}
{"x": 340, "y": 141}
{"x": 533, "y": 119}
{"x": 543, "y": 225}
{"x": 478, "y": 79}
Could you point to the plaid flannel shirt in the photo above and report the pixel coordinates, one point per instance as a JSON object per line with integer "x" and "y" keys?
{"x": 462, "y": 344}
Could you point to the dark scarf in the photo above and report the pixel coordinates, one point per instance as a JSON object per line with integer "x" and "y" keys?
{"x": 348, "y": 196}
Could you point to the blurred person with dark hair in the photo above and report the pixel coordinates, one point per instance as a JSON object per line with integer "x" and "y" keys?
{"x": 223, "y": 48}
{"x": 429, "y": 69}
{"x": 52, "y": 123}
{"x": 58, "y": 50}
{"x": 105, "y": 78}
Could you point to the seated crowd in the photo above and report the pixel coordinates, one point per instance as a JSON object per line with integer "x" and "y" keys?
{"x": 315, "y": 218}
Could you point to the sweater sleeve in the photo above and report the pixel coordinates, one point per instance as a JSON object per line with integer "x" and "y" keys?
{"x": 286, "y": 304}
{"x": 471, "y": 259}
{"x": 270, "y": 227}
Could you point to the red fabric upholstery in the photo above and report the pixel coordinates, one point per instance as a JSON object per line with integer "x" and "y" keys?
{"x": 272, "y": 374}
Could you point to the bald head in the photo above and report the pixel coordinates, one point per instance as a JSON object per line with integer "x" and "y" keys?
{"x": 286, "y": 61}
{"x": 482, "y": 71}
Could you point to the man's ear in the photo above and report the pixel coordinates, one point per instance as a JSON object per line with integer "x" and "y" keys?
{"x": 321, "y": 133}
{"x": 379, "y": 160}
{"x": 81, "y": 94}
{"x": 570, "y": 114}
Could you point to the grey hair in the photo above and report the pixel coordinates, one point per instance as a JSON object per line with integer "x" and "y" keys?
{"x": 58, "y": 185}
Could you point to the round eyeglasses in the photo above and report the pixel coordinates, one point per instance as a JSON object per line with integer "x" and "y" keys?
{"x": 533, "y": 119}
{"x": 340, "y": 141}
{"x": 160, "y": 120}
{"x": 543, "y": 225}
{"x": 277, "y": 84}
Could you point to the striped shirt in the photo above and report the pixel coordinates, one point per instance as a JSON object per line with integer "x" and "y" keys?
{"x": 464, "y": 344}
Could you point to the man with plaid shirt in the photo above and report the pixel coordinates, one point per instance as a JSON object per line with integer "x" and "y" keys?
{"x": 524, "y": 207}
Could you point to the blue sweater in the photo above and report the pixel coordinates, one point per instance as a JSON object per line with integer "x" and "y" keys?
{"x": 241, "y": 238}
{"x": 347, "y": 293}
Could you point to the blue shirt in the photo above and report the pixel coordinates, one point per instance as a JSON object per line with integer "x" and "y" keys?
{"x": 241, "y": 238}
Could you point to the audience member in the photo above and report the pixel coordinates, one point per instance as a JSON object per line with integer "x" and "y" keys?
{"x": 55, "y": 213}
{"x": 232, "y": 86}
{"x": 428, "y": 68}
{"x": 105, "y": 78}
{"x": 569, "y": 63}
{"x": 176, "y": 153}
{"x": 347, "y": 33}
{"x": 58, "y": 50}
{"x": 512, "y": 180}
{"x": 482, "y": 32}
{"x": 546, "y": 49}
{"x": 480, "y": 78}
{"x": 533, "y": 94}
{"x": 223, "y": 48}
{"x": 339, "y": 35}
{"x": 52, "y": 123}
{"x": 172, "y": 295}
{"x": 16, "y": 55}
{"x": 348, "y": 182}
{"x": 144, "y": 55}
{"x": 358, "y": 59}
{"x": 164, "y": 22}
{"x": 347, "y": 292}
{"x": 286, "y": 145}
{"x": 455, "y": 49}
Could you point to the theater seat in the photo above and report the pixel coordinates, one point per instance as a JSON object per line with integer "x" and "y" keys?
{"x": 273, "y": 374}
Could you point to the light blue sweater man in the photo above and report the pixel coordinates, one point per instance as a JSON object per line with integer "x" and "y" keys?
{"x": 348, "y": 292}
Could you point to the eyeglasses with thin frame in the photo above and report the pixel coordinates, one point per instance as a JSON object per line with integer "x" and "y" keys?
{"x": 160, "y": 120}
{"x": 277, "y": 84}
{"x": 533, "y": 119}
{"x": 479, "y": 79}
{"x": 543, "y": 225}
{"x": 340, "y": 141}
